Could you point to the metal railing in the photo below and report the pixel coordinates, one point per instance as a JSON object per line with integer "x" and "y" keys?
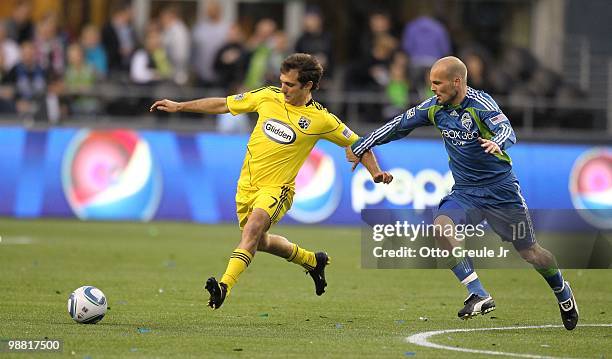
{"x": 347, "y": 105}
{"x": 590, "y": 72}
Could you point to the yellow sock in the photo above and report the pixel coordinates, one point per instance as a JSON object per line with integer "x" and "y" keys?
{"x": 302, "y": 257}
{"x": 238, "y": 263}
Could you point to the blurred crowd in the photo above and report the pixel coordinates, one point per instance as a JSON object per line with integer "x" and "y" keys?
{"x": 48, "y": 75}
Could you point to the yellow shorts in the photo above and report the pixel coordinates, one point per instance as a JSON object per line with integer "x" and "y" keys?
{"x": 276, "y": 201}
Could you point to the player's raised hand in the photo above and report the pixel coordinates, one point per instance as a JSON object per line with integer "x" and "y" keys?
{"x": 351, "y": 157}
{"x": 489, "y": 146}
{"x": 384, "y": 177}
{"x": 165, "y": 105}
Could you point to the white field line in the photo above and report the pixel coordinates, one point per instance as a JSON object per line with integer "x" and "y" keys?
{"x": 16, "y": 240}
{"x": 422, "y": 339}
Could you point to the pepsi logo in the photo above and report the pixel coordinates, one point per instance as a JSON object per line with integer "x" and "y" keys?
{"x": 278, "y": 131}
{"x": 318, "y": 189}
{"x": 591, "y": 187}
{"x": 111, "y": 174}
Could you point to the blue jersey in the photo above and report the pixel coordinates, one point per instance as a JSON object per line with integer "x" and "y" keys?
{"x": 478, "y": 115}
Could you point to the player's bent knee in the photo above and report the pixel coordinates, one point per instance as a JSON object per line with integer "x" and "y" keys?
{"x": 255, "y": 228}
{"x": 534, "y": 255}
{"x": 443, "y": 220}
{"x": 264, "y": 243}
{"x": 252, "y": 235}
{"x": 441, "y": 224}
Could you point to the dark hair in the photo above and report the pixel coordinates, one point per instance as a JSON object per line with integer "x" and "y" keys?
{"x": 121, "y": 6}
{"x": 308, "y": 67}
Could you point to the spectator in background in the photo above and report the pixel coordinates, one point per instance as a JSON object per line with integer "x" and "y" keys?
{"x": 373, "y": 73}
{"x": 519, "y": 63}
{"x": 93, "y": 50}
{"x": 118, "y": 38}
{"x": 380, "y": 61}
{"x": 477, "y": 60}
{"x": 260, "y": 46}
{"x": 278, "y": 52}
{"x": 315, "y": 41}
{"x": 19, "y": 26}
{"x": 209, "y": 36}
{"x": 425, "y": 40}
{"x": 150, "y": 67}
{"x": 151, "y": 64}
{"x": 478, "y": 73}
{"x": 379, "y": 25}
{"x": 6, "y": 90}
{"x": 80, "y": 77}
{"x": 51, "y": 106}
{"x": 176, "y": 40}
{"x": 370, "y": 71}
{"x": 8, "y": 49}
{"x": 424, "y": 89}
{"x": 231, "y": 60}
{"x": 49, "y": 45}
{"x": 398, "y": 88}
{"x": 28, "y": 78}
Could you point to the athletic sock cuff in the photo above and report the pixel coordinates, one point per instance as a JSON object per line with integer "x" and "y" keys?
{"x": 294, "y": 253}
{"x": 548, "y": 272}
{"x": 243, "y": 255}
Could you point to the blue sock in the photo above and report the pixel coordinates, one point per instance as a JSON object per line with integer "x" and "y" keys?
{"x": 464, "y": 271}
{"x": 555, "y": 280}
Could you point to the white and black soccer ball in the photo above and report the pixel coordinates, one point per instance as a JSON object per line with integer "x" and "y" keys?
{"x": 87, "y": 305}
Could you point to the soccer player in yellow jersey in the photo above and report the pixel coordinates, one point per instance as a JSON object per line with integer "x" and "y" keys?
{"x": 289, "y": 125}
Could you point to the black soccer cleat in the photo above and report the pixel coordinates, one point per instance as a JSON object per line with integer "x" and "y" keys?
{"x": 217, "y": 291}
{"x": 474, "y": 305}
{"x": 569, "y": 310}
{"x": 318, "y": 273}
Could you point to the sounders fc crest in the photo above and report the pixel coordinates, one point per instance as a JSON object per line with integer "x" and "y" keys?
{"x": 304, "y": 123}
{"x": 466, "y": 121}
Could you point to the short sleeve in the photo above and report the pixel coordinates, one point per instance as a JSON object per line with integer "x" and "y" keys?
{"x": 341, "y": 135}
{"x": 245, "y": 102}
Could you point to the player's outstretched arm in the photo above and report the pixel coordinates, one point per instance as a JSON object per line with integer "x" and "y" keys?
{"x": 371, "y": 164}
{"x": 211, "y": 105}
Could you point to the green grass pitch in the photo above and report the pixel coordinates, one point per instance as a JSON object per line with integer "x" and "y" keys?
{"x": 152, "y": 275}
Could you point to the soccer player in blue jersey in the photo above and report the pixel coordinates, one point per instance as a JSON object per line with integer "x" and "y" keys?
{"x": 476, "y": 135}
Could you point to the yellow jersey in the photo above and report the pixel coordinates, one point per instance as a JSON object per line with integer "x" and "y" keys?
{"x": 283, "y": 136}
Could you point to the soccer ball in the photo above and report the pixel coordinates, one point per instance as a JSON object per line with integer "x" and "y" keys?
{"x": 87, "y": 305}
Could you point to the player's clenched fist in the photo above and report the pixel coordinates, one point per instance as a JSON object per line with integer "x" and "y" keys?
{"x": 384, "y": 177}
{"x": 165, "y": 105}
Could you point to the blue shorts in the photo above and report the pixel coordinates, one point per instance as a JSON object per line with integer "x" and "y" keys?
{"x": 501, "y": 204}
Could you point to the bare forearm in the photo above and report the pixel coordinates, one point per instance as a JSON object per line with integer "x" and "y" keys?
{"x": 212, "y": 105}
{"x": 371, "y": 164}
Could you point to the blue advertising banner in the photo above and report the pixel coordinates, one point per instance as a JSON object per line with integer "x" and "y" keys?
{"x": 124, "y": 174}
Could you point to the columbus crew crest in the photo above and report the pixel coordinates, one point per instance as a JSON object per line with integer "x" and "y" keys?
{"x": 466, "y": 121}
{"x": 304, "y": 123}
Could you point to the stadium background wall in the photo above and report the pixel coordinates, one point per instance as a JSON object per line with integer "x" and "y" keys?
{"x": 139, "y": 175}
